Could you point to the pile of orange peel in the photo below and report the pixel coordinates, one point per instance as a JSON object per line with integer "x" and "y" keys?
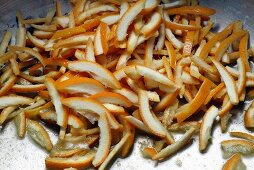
{"x": 110, "y": 70}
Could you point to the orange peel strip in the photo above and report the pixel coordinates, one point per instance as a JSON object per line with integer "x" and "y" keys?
{"x": 177, "y": 26}
{"x": 249, "y": 116}
{"x": 99, "y": 72}
{"x": 206, "y": 126}
{"x": 244, "y": 53}
{"x": 62, "y": 115}
{"x": 128, "y": 18}
{"x": 114, "y": 98}
{"x": 225, "y": 43}
{"x": 80, "y": 162}
{"x": 194, "y": 10}
{"x": 234, "y": 162}
{"x": 137, "y": 123}
{"x": 8, "y": 85}
{"x": 153, "y": 25}
{"x": 114, "y": 151}
{"x": 167, "y": 100}
{"x": 187, "y": 110}
{"x": 156, "y": 76}
{"x": 39, "y": 134}
{"x": 28, "y": 88}
{"x": 229, "y": 82}
{"x": 242, "y": 135}
{"x": 80, "y": 85}
{"x": 149, "y": 119}
{"x": 73, "y": 121}
{"x": 218, "y": 37}
{"x": 104, "y": 142}
{"x": 94, "y": 10}
{"x": 6, "y": 101}
{"x": 171, "y": 149}
{"x": 5, "y": 42}
{"x": 29, "y": 51}
{"x": 237, "y": 146}
{"x": 81, "y": 105}
{"x": 128, "y": 129}
{"x": 171, "y": 53}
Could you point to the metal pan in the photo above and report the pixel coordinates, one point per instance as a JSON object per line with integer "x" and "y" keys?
{"x": 25, "y": 155}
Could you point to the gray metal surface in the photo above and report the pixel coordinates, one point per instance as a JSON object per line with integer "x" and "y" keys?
{"x": 25, "y": 155}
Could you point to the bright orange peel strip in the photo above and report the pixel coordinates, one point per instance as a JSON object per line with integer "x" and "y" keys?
{"x": 98, "y": 72}
{"x": 190, "y": 108}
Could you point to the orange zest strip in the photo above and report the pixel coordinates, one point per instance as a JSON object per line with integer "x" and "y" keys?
{"x": 167, "y": 100}
{"x": 35, "y": 67}
{"x": 127, "y": 19}
{"x": 153, "y": 25}
{"x": 80, "y": 162}
{"x": 76, "y": 40}
{"x": 114, "y": 98}
{"x": 80, "y": 85}
{"x": 62, "y": 115}
{"x": 229, "y": 82}
{"x": 237, "y": 146}
{"x": 56, "y": 62}
{"x": 214, "y": 92}
{"x": 67, "y": 75}
{"x": 94, "y": 10}
{"x": 187, "y": 110}
{"x": 189, "y": 40}
{"x": 82, "y": 105}
{"x": 100, "y": 40}
{"x": 149, "y": 152}
{"x": 194, "y": 10}
{"x": 44, "y": 94}
{"x": 118, "y": 147}
{"x": 205, "y": 30}
{"x": 171, "y": 149}
{"x": 167, "y": 67}
{"x": 68, "y": 32}
{"x": 243, "y": 51}
{"x": 28, "y": 88}
{"x": 242, "y": 77}
{"x": 171, "y": 53}
{"x": 98, "y": 72}
{"x": 225, "y": 43}
{"x": 149, "y": 119}
{"x": 249, "y": 116}
{"x": 218, "y": 37}
{"x": 38, "y": 110}
{"x": 6, "y": 57}
{"x": 103, "y": 31}
{"x": 14, "y": 100}
{"x": 8, "y": 85}
{"x": 29, "y": 51}
{"x": 40, "y": 79}
{"x": 177, "y": 26}
{"x": 234, "y": 162}
{"x": 242, "y": 135}
{"x": 240, "y": 87}
{"x": 128, "y": 128}
{"x": 201, "y": 63}
{"x": 104, "y": 142}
